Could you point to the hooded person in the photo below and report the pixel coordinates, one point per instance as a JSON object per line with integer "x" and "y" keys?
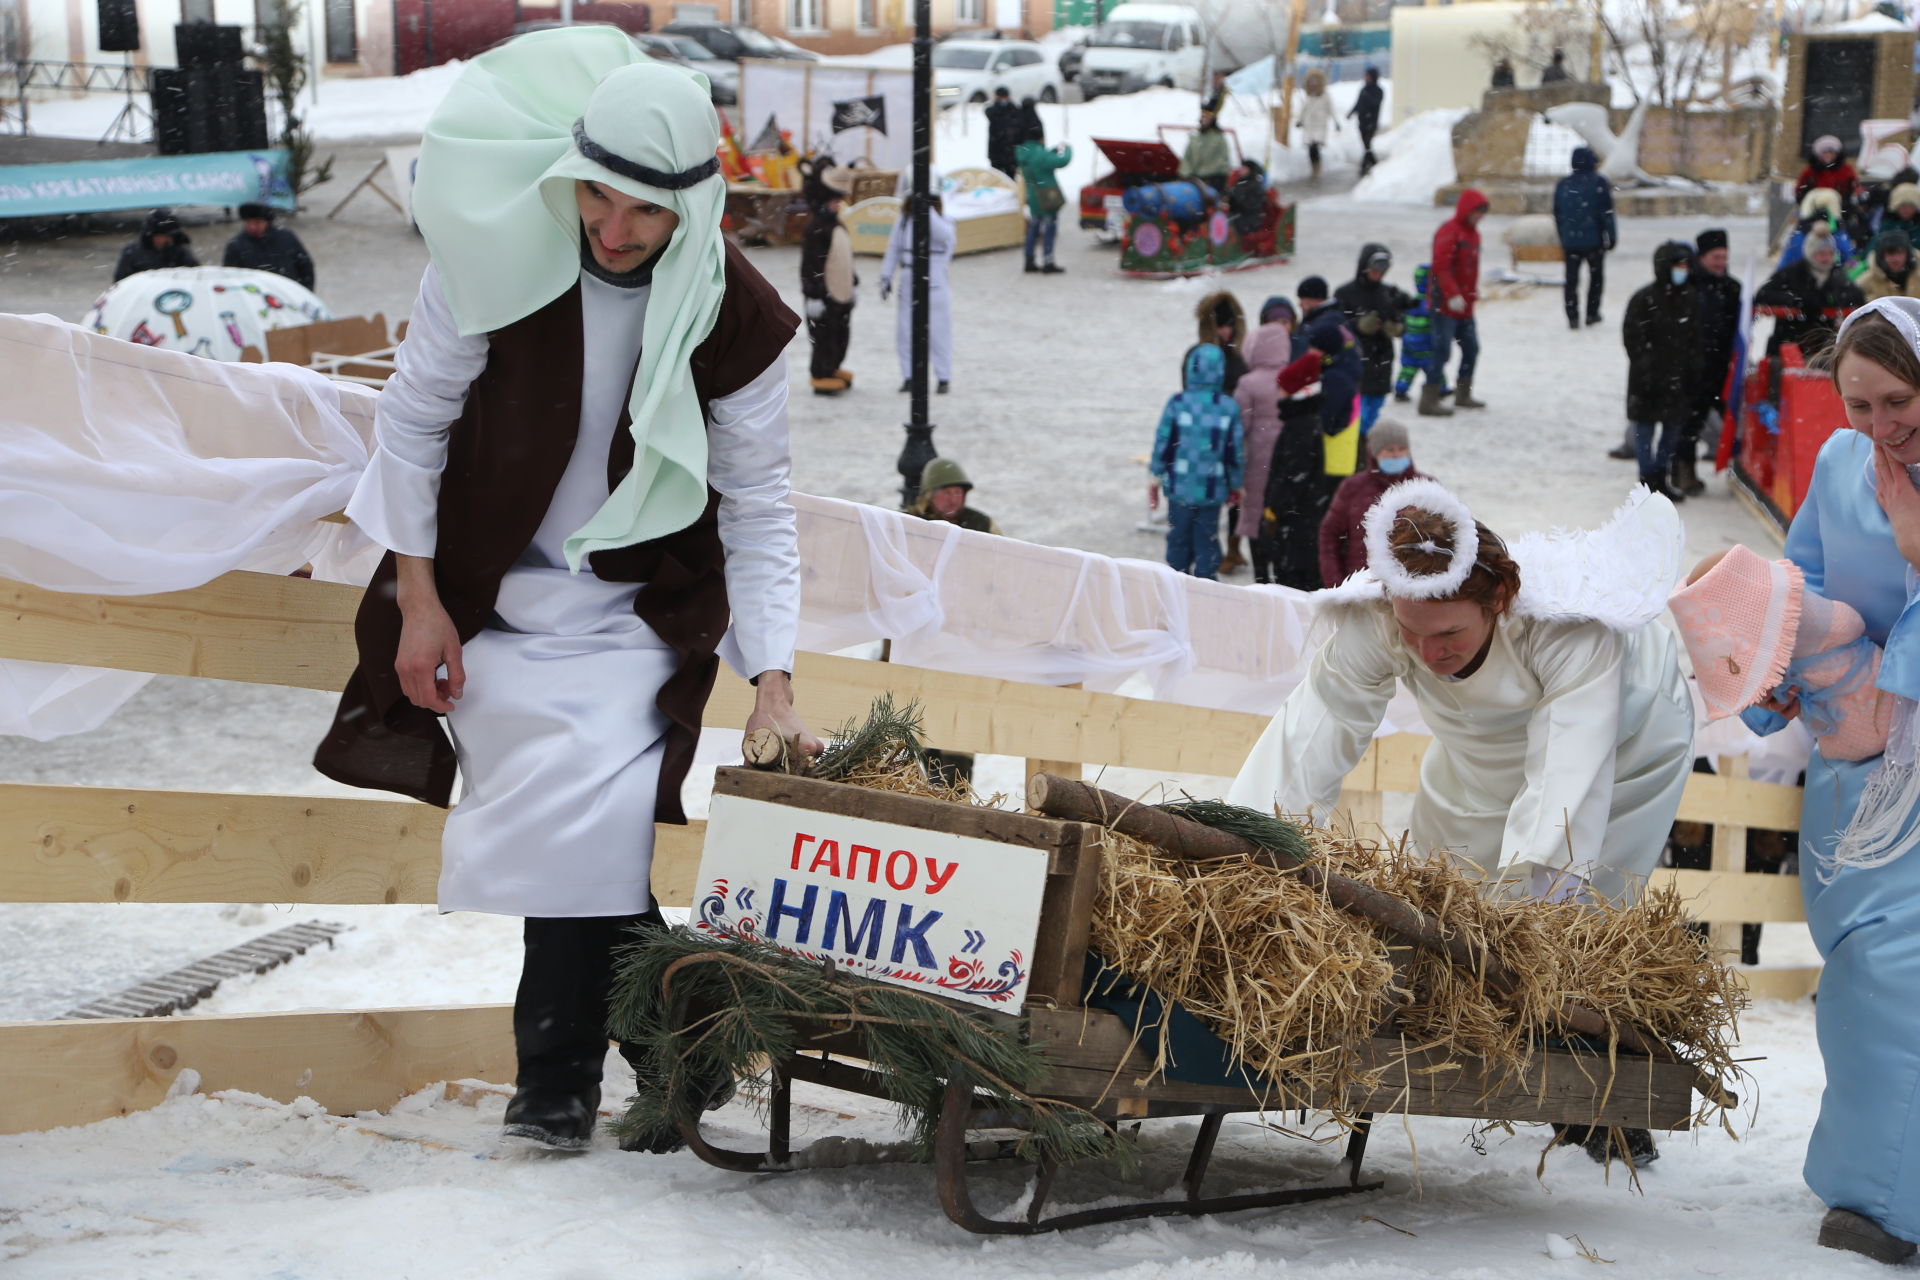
{"x": 1317, "y": 121}
{"x": 1453, "y": 287}
{"x": 1583, "y": 215}
{"x": 1376, "y": 312}
{"x": 1222, "y": 323}
{"x": 162, "y": 243}
{"x": 1343, "y": 541}
{"x": 1903, "y": 210}
{"x": 571, "y": 516}
{"x": 1890, "y": 272}
{"x": 942, "y": 237}
{"x": 1365, "y": 113}
{"x": 1269, "y": 350}
{"x": 1821, "y": 209}
{"x": 1199, "y": 460}
{"x": 827, "y": 280}
{"x": 1662, "y": 335}
{"x": 1827, "y": 168}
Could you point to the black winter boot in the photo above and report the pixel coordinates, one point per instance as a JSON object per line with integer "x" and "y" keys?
{"x": 549, "y": 1120}
{"x": 1855, "y": 1233}
{"x": 1686, "y": 479}
{"x": 1657, "y": 482}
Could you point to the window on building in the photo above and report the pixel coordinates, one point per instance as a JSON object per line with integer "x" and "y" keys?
{"x": 867, "y": 15}
{"x": 806, "y": 15}
{"x": 967, "y": 13}
{"x": 341, "y": 46}
{"x": 196, "y": 10}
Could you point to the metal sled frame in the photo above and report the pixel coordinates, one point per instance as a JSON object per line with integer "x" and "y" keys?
{"x": 960, "y": 1116}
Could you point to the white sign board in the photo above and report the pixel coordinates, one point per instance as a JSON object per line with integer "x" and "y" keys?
{"x": 948, "y": 915}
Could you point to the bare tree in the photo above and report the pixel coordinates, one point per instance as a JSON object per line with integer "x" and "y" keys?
{"x": 1670, "y": 51}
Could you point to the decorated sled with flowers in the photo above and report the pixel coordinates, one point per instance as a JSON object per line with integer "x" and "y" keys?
{"x": 1169, "y": 226}
{"x": 947, "y": 957}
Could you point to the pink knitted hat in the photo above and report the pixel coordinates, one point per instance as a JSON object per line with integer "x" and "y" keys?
{"x": 1738, "y": 623}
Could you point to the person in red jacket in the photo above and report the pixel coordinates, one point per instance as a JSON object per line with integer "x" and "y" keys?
{"x": 1828, "y": 167}
{"x": 1455, "y": 282}
{"x": 1343, "y": 541}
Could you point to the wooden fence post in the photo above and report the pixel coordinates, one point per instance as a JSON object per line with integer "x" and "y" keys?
{"x": 1729, "y": 855}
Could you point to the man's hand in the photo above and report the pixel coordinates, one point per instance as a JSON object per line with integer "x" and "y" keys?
{"x": 428, "y": 640}
{"x": 1457, "y": 304}
{"x": 773, "y": 709}
{"x": 1153, "y": 495}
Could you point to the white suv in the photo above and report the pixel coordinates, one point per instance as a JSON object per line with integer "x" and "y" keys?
{"x": 970, "y": 70}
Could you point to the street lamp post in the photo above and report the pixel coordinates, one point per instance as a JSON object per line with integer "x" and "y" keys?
{"x": 918, "y": 449}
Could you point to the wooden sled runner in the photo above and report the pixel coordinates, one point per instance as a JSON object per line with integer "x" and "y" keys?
{"x": 1097, "y": 1063}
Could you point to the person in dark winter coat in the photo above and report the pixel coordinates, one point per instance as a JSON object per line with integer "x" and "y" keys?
{"x": 827, "y": 279}
{"x": 1454, "y": 287}
{"x": 1343, "y": 546}
{"x": 1269, "y": 350}
{"x": 1502, "y": 75}
{"x": 1662, "y": 334}
{"x": 1298, "y": 487}
{"x": 1366, "y": 112}
{"x": 1375, "y": 312}
{"x": 1720, "y": 299}
{"x": 1890, "y": 272}
{"x": 1583, "y": 214}
{"x": 1808, "y": 298}
{"x": 1003, "y": 132}
{"x": 161, "y": 244}
{"x": 1199, "y": 459}
{"x": 1555, "y": 71}
{"x": 1827, "y": 167}
{"x": 1323, "y": 329}
{"x": 265, "y": 247}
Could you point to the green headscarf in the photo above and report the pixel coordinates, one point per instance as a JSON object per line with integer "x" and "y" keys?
{"x": 494, "y": 197}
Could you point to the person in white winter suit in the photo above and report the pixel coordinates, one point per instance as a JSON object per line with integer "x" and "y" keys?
{"x": 942, "y": 237}
{"x": 1316, "y": 120}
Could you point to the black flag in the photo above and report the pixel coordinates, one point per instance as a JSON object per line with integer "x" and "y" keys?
{"x": 860, "y": 113}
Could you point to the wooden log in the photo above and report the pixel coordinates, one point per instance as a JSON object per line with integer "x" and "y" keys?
{"x": 1191, "y": 841}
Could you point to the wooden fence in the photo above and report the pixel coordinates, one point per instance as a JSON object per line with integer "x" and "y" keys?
{"x": 99, "y": 844}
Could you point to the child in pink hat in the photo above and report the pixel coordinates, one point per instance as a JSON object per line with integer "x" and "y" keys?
{"x": 1753, "y": 629}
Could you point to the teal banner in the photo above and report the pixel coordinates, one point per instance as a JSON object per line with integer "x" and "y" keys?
{"x": 145, "y": 182}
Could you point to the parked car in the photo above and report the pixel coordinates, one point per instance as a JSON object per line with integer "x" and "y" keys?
{"x": 970, "y": 70}
{"x": 1070, "y": 59}
{"x": 723, "y": 77}
{"x": 732, "y": 42}
{"x": 1143, "y": 45}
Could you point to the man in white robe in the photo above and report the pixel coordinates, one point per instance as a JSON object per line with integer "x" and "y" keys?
{"x": 580, "y": 469}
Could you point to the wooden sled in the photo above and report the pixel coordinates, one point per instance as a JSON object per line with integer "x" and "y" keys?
{"x": 1097, "y": 1063}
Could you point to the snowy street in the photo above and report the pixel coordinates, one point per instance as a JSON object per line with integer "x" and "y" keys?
{"x": 1057, "y": 388}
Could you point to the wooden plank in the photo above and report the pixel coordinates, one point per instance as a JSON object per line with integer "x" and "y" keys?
{"x": 106, "y": 844}
{"x": 1716, "y": 798}
{"x": 1066, "y": 921}
{"x": 1729, "y": 855}
{"x": 252, "y": 627}
{"x": 1715, "y": 897}
{"x": 68, "y": 1073}
{"x": 1780, "y": 984}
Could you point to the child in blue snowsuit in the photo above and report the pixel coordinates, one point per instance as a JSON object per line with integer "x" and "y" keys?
{"x": 1416, "y": 345}
{"x": 1199, "y": 458}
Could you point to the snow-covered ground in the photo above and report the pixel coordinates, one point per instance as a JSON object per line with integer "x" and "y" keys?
{"x": 1056, "y": 391}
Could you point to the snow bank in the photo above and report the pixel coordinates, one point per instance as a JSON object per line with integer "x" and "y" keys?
{"x": 1416, "y": 159}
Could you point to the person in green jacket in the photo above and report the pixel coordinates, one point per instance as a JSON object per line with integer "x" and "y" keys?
{"x": 1207, "y": 158}
{"x": 1038, "y": 164}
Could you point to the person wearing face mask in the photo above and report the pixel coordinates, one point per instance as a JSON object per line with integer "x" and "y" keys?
{"x": 1343, "y": 543}
{"x": 1856, "y": 540}
{"x": 1662, "y": 334}
{"x": 1890, "y": 272}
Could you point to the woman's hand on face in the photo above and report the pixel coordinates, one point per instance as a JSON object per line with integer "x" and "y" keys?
{"x": 1900, "y": 500}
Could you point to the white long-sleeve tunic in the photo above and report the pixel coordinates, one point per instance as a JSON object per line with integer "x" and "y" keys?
{"x": 558, "y": 737}
{"x": 942, "y": 237}
{"x": 1567, "y": 749}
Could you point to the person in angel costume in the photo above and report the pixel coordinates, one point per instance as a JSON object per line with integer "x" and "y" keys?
{"x": 1562, "y": 727}
{"x": 580, "y": 471}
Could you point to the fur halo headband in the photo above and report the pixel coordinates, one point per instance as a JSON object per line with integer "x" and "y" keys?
{"x": 1398, "y": 580}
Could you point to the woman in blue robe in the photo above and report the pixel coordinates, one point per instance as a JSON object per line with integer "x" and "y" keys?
{"x": 1857, "y": 539}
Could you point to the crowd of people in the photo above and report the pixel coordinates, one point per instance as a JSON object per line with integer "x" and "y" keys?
{"x": 1280, "y": 426}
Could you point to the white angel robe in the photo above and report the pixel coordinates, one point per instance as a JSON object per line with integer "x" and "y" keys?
{"x": 558, "y": 738}
{"x": 942, "y": 237}
{"x": 1567, "y": 749}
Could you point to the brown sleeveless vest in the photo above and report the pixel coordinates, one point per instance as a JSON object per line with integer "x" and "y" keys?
{"x": 505, "y": 456}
